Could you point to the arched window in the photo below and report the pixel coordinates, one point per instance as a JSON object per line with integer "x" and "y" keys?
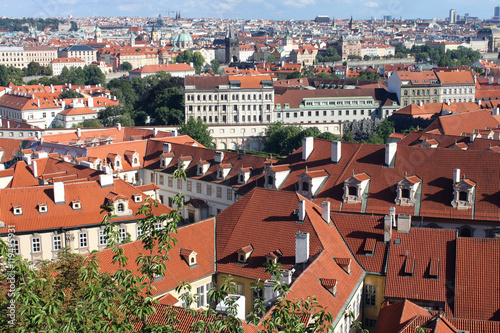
{"x": 120, "y": 207}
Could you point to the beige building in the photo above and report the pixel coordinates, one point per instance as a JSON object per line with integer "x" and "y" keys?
{"x": 84, "y": 52}
{"x": 12, "y": 56}
{"x": 230, "y": 99}
{"x": 43, "y": 55}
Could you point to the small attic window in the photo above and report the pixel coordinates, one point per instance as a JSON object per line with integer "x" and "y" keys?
{"x": 137, "y": 198}
{"x": 409, "y": 266}
{"x": 162, "y": 163}
{"x": 220, "y": 174}
{"x": 18, "y": 210}
{"x": 189, "y": 256}
{"x": 241, "y": 178}
{"x": 434, "y": 269}
{"x": 42, "y": 207}
{"x": 244, "y": 253}
{"x": 76, "y": 205}
{"x": 353, "y": 190}
{"x": 199, "y": 171}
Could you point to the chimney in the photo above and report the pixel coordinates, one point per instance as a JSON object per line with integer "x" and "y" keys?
{"x": 51, "y": 89}
{"x": 302, "y": 210}
{"x": 336, "y": 151}
{"x": 218, "y": 156}
{"x": 155, "y": 132}
{"x": 456, "y": 176}
{"x": 490, "y": 80}
{"x": 404, "y": 223}
{"x": 167, "y": 147}
{"x": 91, "y": 102}
{"x": 106, "y": 180}
{"x": 38, "y": 102}
{"x": 495, "y": 112}
{"x": 390, "y": 152}
{"x": 63, "y": 104}
{"x": 301, "y": 247}
{"x": 325, "y": 211}
{"x": 307, "y": 147}
{"x": 8, "y": 124}
{"x": 387, "y": 228}
{"x": 420, "y": 104}
{"x": 1, "y": 123}
{"x": 79, "y": 132}
{"x": 34, "y": 169}
{"x": 119, "y": 126}
{"x": 392, "y": 214}
{"x": 473, "y": 136}
{"x": 70, "y": 86}
{"x": 59, "y": 193}
{"x": 479, "y": 102}
{"x": 174, "y": 133}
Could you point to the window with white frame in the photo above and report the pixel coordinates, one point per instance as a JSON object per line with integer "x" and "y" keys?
{"x": 209, "y": 190}
{"x": 103, "y": 240}
{"x": 57, "y": 242}
{"x": 219, "y": 192}
{"x": 201, "y": 296}
{"x": 198, "y": 187}
{"x": 170, "y": 182}
{"x": 83, "y": 240}
{"x": 36, "y": 245}
{"x": 122, "y": 234}
{"x": 370, "y": 295}
{"x": 189, "y": 185}
{"x": 179, "y": 184}
{"x": 139, "y": 232}
{"x": 14, "y": 243}
{"x": 158, "y": 226}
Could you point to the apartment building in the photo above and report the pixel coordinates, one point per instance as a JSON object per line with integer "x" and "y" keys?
{"x": 230, "y": 99}
{"x": 84, "y": 52}
{"x": 12, "y": 56}
{"x": 43, "y": 55}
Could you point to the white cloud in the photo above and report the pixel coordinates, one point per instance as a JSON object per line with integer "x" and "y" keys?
{"x": 299, "y": 3}
{"x": 371, "y": 4}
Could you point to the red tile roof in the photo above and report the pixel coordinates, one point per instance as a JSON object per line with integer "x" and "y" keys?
{"x": 477, "y": 285}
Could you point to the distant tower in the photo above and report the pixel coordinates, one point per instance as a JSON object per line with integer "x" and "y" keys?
{"x": 97, "y": 34}
{"x": 288, "y": 38}
{"x": 232, "y": 46}
{"x": 497, "y": 11}
{"x": 132, "y": 40}
{"x": 351, "y": 24}
{"x": 453, "y": 16}
{"x": 155, "y": 35}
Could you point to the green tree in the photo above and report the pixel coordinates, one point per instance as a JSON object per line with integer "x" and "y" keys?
{"x": 384, "y": 129}
{"x": 282, "y": 139}
{"x": 215, "y": 65}
{"x": 198, "y": 61}
{"x": 93, "y": 75}
{"x": 270, "y": 59}
{"x": 4, "y": 76}
{"x": 70, "y": 94}
{"x": 33, "y": 68}
{"x": 88, "y": 123}
{"x": 294, "y": 75}
{"x": 198, "y": 131}
{"x": 126, "y": 66}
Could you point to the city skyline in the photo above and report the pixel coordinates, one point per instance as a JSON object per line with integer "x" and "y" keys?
{"x": 251, "y": 9}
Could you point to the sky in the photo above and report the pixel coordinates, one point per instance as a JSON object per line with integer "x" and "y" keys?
{"x": 248, "y": 9}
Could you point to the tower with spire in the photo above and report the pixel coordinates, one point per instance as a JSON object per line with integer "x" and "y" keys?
{"x": 232, "y": 46}
{"x": 97, "y": 34}
{"x": 351, "y": 24}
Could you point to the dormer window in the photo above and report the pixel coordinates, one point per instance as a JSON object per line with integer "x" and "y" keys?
{"x": 241, "y": 178}
{"x": 18, "y": 210}
{"x": 137, "y": 197}
{"x": 202, "y": 168}
{"x": 344, "y": 263}
{"x": 184, "y": 162}
{"x": 463, "y": 194}
{"x": 223, "y": 170}
{"x": 273, "y": 257}
{"x": 120, "y": 207}
{"x": 406, "y": 191}
{"x": 42, "y": 207}
{"x": 76, "y": 205}
{"x": 330, "y": 285}
{"x": 189, "y": 256}
{"x": 244, "y": 253}
{"x": 354, "y": 187}
{"x": 119, "y": 203}
{"x": 275, "y": 176}
{"x": 165, "y": 159}
{"x": 311, "y": 181}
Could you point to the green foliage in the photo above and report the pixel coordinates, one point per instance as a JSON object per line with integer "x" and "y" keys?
{"x": 88, "y": 75}
{"x": 215, "y": 65}
{"x": 294, "y": 75}
{"x": 198, "y": 131}
{"x": 330, "y": 55}
{"x": 14, "y": 24}
{"x": 451, "y": 58}
{"x": 189, "y": 57}
{"x": 126, "y": 66}
{"x": 384, "y": 129}
{"x": 70, "y": 94}
{"x": 113, "y": 115}
{"x": 354, "y": 57}
{"x": 284, "y": 139}
{"x": 368, "y": 75}
{"x": 88, "y": 123}
{"x": 270, "y": 59}
{"x": 4, "y": 76}
{"x": 374, "y": 131}
{"x": 403, "y": 123}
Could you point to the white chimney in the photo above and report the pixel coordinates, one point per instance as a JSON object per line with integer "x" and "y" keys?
{"x": 34, "y": 169}
{"x": 59, "y": 193}
{"x": 495, "y": 112}
{"x": 404, "y": 223}
{"x": 155, "y": 132}
{"x": 167, "y": 147}
{"x": 218, "y": 156}
{"x": 119, "y": 126}
{"x": 79, "y": 132}
{"x": 456, "y": 176}
{"x": 70, "y": 86}
{"x": 1, "y": 123}
{"x": 325, "y": 211}
{"x": 27, "y": 159}
{"x": 91, "y": 102}
{"x": 8, "y": 124}
{"x": 390, "y": 152}
{"x": 307, "y": 147}
{"x": 479, "y": 102}
{"x": 301, "y": 247}
{"x": 392, "y": 214}
{"x": 302, "y": 210}
{"x": 387, "y": 228}
{"x": 490, "y": 80}
{"x": 174, "y": 133}
{"x": 473, "y": 136}
{"x": 336, "y": 151}
{"x": 420, "y": 104}
{"x": 38, "y": 103}
{"x": 106, "y": 180}
{"x": 51, "y": 89}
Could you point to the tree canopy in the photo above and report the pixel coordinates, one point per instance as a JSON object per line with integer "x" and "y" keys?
{"x": 198, "y": 130}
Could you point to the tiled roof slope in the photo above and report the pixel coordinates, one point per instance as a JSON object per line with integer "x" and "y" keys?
{"x": 406, "y": 317}
{"x": 90, "y": 194}
{"x": 266, "y": 220}
{"x": 477, "y": 287}
{"x": 410, "y": 265}
{"x": 448, "y": 141}
{"x": 10, "y": 149}
{"x": 237, "y": 160}
{"x": 434, "y": 166}
{"x": 198, "y": 237}
{"x": 363, "y": 233}
{"x": 468, "y": 122}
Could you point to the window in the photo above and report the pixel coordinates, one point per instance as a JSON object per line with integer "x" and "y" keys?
{"x": 462, "y": 196}
{"x": 139, "y": 232}
{"x": 219, "y": 192}
{"x": 83, "y": 240}
{"x": 370, "y": 323}
{"x": 158, "y": 226}
{"x": 201, "y": 296}
{"x": 209, "y": 190}
{"x": 239, "y": 290}
{"x": 189, "y": 185}
{"x": 14, "y": 243}
{"x": 122, "y": 234}
{"x": 405, "y": 193}
{"x": 170, "y": 182}
{"x": 56, "y": 242}
{"x": 370, "y": 295}
{"x": 353, "y": 190}
{"x": 162, "y": 180}
{"x": 229, "y": 194}
{"x": 103, "y": 237}
{"x": 305, "y": 186}
{"x": 179, "y": 184}
{"x": 198, "y": 187}
{"x": 36, "y": 245}
{"x": 120, "y": 207}
{"x": 153, "y": 177}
